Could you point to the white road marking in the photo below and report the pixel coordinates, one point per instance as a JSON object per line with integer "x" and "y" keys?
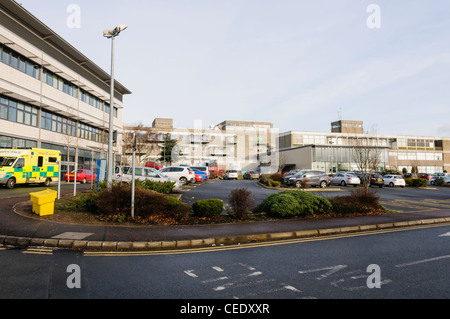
{"x": 422, "y": 261}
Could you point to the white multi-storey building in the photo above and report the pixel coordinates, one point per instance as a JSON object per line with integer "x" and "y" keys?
{"x": 51, "y": 95}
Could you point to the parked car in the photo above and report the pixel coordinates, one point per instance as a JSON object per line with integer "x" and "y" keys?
{"x": 199, "y": 175}
{"x": 230, "y": 174}
{"x": 204, "y": 169}
{"x": 120, "y": 171}
{"x": 446, "y": 180}
{"x": 83, "y": 176}
{"x": 425, "y": 175}
{"x": 143, "y": 173}
{"x": 290, "y": 177}
{"x": 345, "y": 179}
{"x": 394, "y": 180}
{"x": 437, "y": 176}
{"x": 310, "y": 178}
{"x": 154, "y": 165}
{"x": 374, "y": 179}
{"x": 181, "y": 173}
{"x": 251, "y": 175}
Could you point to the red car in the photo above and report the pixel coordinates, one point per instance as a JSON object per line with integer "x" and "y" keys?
{"x": 425, "y": 175}
{"x": 83, "y": 176}
{"x": 154, "y": 165}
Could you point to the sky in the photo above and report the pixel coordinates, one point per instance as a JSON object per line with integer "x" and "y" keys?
{"x": 298, "y": 64}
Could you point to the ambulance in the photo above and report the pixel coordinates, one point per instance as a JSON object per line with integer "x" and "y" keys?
{"x": 28, "y": 165}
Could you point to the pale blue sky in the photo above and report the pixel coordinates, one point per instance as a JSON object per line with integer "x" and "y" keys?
{"x": 294, "y": 63}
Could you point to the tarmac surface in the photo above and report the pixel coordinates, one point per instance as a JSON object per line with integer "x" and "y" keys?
{"x": 18, "y": 231}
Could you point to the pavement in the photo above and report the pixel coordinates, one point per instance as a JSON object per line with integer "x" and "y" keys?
{"x": 19, "y": 231}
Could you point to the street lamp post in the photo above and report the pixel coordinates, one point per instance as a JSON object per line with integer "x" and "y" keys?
{"x": 111, "y": 34}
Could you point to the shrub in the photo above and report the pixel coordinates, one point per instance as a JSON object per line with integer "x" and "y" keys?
{"x": 277, "y": 177}
{"x": 295, "y": 203}
{"x": 207, "y": 208}
{"x": 359, "y": 201}
{"x": 117, "y": 200}
{"x": 416, "y": 182}
{"x": 241, "y": 201}
{"x": 275, "y": 183}
{"x": 265, "y": 179}
{"x": 85, "y": 202}
{"x": 439, "y": 182}
{"x": 159, "y": 187}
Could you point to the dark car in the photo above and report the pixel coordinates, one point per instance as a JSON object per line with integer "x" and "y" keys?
{"x": 308, "y": 178}
{"x": 375, "y": 179}
{"x": 251, "y": 175}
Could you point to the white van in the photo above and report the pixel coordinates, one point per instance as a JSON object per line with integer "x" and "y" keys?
{"x": 143, "y": 173}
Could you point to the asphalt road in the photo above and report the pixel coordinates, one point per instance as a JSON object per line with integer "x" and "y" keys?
{"x": 405, "y": 263}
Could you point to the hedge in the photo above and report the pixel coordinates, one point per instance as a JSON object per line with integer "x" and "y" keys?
{"x": 295, "y": 203}
{"x": 207, "y": 208}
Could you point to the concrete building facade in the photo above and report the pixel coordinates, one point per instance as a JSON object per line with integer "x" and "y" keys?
{"x": 51, "y": 95}
{"x": 334, "y": 151}
{"x": 240, "y": 145}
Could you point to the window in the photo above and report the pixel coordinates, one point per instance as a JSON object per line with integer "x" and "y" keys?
{"x": 14, "y": 111}
{"x": 18, "y": 61}
{"x": 40, "y": 161}
{"x": 57, "y": 123}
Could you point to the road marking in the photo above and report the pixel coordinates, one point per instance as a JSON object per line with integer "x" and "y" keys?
{"x": 331, "y": 271}
{"x": 422, "y": 261}
{"x": 445, "y": 235}
{"x": 257, "y": 245}
{"x": 190, "y": 273}
{"x": 38, "y": 251}
{"x": 217, "y": 268}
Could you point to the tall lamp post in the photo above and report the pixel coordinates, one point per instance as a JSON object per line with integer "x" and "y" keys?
{"x": 111, "y": 34}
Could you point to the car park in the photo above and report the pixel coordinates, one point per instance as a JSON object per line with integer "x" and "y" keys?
{"x": 345, "y": 179}
{"x": 199, "y": 175}
{"x": 181, "y": 173}
{"x": 83, "y": 176}
{"x": 145, "y": 173}
{"x": 394, "y": 180}
{"x": 230, "y": 174}
{"x": 251, "y": 175}
{"x": 309, "y": 178}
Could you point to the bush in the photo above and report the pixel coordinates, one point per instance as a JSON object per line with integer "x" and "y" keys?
{"x": 241, "y": 201}
{"x": 275, "y": 183}
{"x": 159, "y": 187}
{"x": 117, "y": 200}
{"x": 359, "y": 201}
{"x": 277, "y": 177}
{"x": 439, "y": 182}
{"x": 295, "y": 203}
{"x": 85, "y": 202}
{"x": 207, "y": 208}
{"x": 416, "y": 182}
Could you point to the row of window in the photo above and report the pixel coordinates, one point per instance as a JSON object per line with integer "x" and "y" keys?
{"x": 19, "y": 62}
{"x": 25, "y": 65}
{"x": 15, "y": 111}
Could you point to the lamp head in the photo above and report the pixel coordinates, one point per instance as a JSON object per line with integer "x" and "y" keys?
{"x": 115, "y": 32}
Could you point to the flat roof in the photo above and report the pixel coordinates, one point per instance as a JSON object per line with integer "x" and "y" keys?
{"x": 47, "y": 35}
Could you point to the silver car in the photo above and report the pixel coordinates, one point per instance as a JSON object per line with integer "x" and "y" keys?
{"x": 143, "y": 173}
{"x": 345, "y": 179}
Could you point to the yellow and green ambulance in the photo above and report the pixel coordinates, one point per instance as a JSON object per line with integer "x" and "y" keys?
{"x": 28, "y": 165}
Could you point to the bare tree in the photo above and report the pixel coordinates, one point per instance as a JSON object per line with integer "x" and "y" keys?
{"x": 367, "y": 158}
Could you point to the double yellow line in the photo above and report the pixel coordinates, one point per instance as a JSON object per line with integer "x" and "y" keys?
{"x": 256, "y": 245}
